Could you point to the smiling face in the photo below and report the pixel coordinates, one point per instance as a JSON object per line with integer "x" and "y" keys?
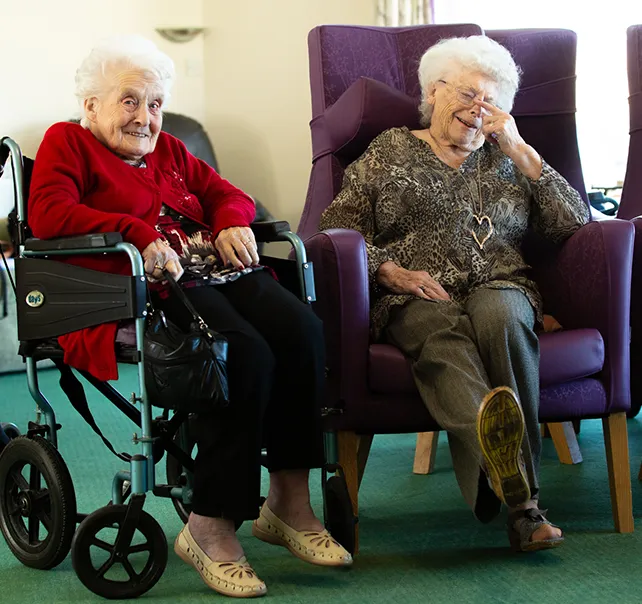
{"x": 456, "y": 120}
{"x": 127, "y": 119}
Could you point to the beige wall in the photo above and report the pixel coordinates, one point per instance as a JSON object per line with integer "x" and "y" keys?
{"x": 43, "y": 41}
{"x": 246, "y": 79}
{"x": 257, "y": 93}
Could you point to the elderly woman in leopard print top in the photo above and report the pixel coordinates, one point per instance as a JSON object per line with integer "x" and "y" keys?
{"x": 444, "y": 212}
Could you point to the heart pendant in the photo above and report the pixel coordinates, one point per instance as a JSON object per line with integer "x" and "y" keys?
{"x": 486, "y": 237}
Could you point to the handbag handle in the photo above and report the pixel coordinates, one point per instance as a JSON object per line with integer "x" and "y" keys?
{"x": 202, "y": 325}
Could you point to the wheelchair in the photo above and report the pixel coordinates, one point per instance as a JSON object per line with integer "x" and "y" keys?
{"x": 38, "y": 515}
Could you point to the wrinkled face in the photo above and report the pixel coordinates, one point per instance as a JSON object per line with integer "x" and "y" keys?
{"x": 456, "y": 119}
{"x": 127, "y": 118}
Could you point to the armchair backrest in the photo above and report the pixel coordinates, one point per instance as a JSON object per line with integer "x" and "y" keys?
{"x": 340, "y": 54}
{"x": 544, "y": 106}
{"x": 631, "y": 200}
{"x": 374, "y": 62}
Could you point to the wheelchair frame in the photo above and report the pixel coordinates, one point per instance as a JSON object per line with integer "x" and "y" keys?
{"x": 141, "y": 474}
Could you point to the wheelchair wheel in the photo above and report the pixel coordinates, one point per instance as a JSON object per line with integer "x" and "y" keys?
{"x": 111, "y": 574}
{"x": 339, "y": 516}
{"x": 37, "y": 502}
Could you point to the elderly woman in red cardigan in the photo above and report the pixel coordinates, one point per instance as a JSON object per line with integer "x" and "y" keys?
{"x": 117, "y": 171}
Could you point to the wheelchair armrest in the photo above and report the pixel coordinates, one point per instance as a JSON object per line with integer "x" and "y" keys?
{"x": 279, "y": 230}
{"x": 93, "y": 240}
{"x": 269, "y": 231}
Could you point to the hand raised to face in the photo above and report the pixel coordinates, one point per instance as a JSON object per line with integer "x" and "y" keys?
{"x": 500, "y": 128}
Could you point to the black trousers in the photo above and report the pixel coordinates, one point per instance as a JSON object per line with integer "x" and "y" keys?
{"x": 276, "y": 364}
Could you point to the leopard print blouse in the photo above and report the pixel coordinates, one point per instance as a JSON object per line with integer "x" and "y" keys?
{"x": 415, "y": 210}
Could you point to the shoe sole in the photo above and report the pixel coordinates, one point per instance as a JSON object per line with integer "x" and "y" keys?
{"x": 500, "y": 430}
{"x": 233, "y": 594}
{"x": 259, "y": 533}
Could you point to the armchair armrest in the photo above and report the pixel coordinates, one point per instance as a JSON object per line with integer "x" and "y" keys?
{"x": 589, "y": 285}
{"x": 636, "y": 282}
{"x": 94, "y": 240}
{"x": 341, "y": 275}
{"x": 270, "y": 230}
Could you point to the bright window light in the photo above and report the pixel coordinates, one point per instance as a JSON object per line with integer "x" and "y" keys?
{"x": 602, "y": 86}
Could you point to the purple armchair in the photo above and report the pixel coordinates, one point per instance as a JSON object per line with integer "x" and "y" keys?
{"x": 631, "y": 205}
{"x": 363, "y": 81}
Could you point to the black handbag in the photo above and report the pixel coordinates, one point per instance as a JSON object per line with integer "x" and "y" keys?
{"x": 184, "y": 371}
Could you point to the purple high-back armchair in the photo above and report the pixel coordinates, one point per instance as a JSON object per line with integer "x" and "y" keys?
{"x": 364, "y": 81}
{"x": 631, "y": 201}
{"x": 631, "y": 205}
{"x": 339, "y": 56}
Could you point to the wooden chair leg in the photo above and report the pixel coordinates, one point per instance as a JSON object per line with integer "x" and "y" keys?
{"x": 348, "y": 445}
{"x": 365, "y": 444}
{"x": 565, "y": 441}
{"x": 425, "y": 452}
{"x": 616, "y": 441}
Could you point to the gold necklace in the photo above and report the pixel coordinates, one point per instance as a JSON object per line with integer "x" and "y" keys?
{"x": 480, "y": 217}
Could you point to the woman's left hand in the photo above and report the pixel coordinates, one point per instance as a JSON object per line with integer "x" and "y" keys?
{"x": 500, "y": 128}
{"x": 237, "y": 246}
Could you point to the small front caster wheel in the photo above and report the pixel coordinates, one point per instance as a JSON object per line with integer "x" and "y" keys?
{"x": 112, "y": 564}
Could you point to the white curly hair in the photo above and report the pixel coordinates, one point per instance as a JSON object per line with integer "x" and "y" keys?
{"x": 129, "y": 51}
{"x": 474, "y": 53}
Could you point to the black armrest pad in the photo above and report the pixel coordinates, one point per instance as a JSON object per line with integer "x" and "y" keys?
{"x": 74, "y": 243}
{"x": 269, "y": 231}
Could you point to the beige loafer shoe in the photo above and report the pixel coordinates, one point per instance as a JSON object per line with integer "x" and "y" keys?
{"x": 312, "y": 546}
{"x": 236, "y": 579}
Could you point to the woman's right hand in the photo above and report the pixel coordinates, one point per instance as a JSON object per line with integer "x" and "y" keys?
{"x": 415, "y": 283}
{"x": 158, "y": 255}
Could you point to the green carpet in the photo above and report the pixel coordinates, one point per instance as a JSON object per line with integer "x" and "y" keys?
{"x": 419, "y": 542}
